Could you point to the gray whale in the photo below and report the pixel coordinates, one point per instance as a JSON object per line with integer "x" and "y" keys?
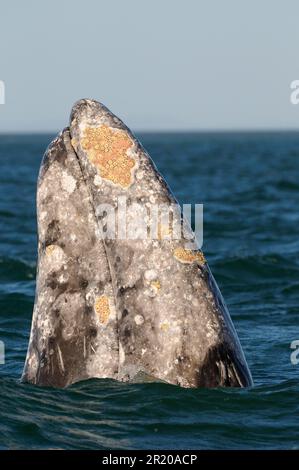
{"x": 116, "y": 306}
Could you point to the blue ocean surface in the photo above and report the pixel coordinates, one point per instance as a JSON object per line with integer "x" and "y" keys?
{"x": 249, "y": 185}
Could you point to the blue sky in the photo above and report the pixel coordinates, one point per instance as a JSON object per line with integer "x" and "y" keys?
{"x": 159, "y": 64}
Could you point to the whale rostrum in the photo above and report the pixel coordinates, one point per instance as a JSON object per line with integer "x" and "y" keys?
{"x": 122, "y": 291}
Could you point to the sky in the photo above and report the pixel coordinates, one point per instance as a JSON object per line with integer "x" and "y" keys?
{"x": 158, "y": 64}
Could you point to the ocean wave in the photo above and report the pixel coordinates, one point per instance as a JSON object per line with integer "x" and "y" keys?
{"x": 105, "y": 414}
{"x": 12, "y": 269}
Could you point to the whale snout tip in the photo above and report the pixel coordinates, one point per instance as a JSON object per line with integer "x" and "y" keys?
{"x": 85, "y": 107}
{"x": 85, "y": 102}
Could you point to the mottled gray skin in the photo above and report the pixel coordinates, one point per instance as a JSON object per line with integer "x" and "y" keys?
{"x": 173, "y": 323}
{"x": 68, "y": 341}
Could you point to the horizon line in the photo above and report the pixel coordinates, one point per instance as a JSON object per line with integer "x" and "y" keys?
{"x": 170, "y": 131}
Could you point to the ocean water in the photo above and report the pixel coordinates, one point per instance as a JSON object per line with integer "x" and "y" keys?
{"x": 249, "y": 185}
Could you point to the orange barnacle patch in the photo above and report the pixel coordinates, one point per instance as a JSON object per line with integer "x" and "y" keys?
{"x": 50, "y": 249}
{"x": 164, "y": 326}
{"x": 189, "y": 256}
{"x": 156, "y": 284}
{"x": 102, "y": 308}
{"x": 107, "y": 149}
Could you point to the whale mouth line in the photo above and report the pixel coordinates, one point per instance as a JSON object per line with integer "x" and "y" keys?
{"x": 112, "y": 277}
{"x": 130, "y": 309}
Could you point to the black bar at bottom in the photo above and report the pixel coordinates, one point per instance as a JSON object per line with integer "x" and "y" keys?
{"x": 137, "y": 458}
